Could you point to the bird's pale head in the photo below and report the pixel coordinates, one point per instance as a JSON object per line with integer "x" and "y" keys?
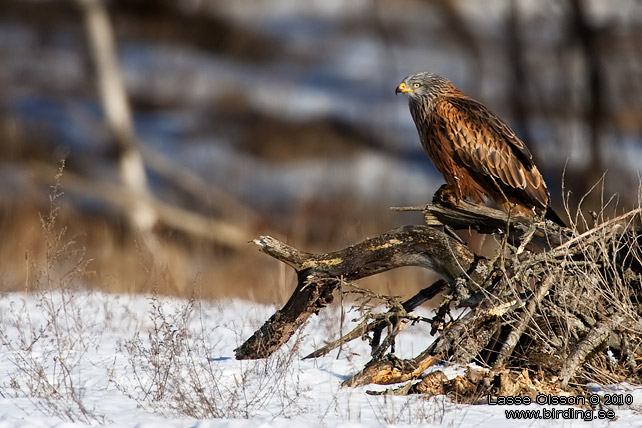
{"x": 424, "y": 86}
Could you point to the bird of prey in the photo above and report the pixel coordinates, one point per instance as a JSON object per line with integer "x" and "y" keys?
{"x": 479, "y": 156}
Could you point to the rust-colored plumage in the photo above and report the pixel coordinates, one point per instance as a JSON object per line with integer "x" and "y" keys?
{"x": 479, "y": 156}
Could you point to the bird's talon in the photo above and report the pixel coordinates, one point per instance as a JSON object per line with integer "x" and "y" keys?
{"x": 446, "y": 196}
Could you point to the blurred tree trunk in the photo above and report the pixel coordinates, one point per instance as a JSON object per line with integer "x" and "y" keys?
{"x": 141, "y": 215}
{"x": 519, "y": 83}
{"x": 461, "y": 30}
{"x": 133, "y": 197}
{"x": 595, "y": 112}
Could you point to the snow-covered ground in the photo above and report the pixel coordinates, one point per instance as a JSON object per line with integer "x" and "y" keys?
{"x": 74, "y": 358}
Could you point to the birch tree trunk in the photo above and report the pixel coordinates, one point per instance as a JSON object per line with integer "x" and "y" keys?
{"x": 118, "y": 117}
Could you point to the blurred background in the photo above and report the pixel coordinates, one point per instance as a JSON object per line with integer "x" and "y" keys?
{"x": 189, "y": 127}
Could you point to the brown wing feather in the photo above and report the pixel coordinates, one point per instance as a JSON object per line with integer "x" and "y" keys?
{"x": 433, "y": 134}
{"x": 490, "y": 151}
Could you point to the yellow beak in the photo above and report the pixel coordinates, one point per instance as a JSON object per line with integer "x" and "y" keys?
{"x": 402, "y": 88}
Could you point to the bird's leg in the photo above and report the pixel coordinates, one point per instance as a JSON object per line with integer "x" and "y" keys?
{"x": 446, "y": 195}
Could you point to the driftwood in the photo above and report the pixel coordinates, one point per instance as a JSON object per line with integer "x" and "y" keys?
{"x": 319, "y": 275}
{"x": 549, "y": 301}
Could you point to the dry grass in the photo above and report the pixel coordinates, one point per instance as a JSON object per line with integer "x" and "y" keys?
{"x": 120, "y": 265}
{"x": 48, "y": 348}
{"x": 171, "y": 365}
{"x": 173, "y": 371}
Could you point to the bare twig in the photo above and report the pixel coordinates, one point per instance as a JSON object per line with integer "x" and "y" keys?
{"x": 582, "y": 238}
{"x": 380, "y": 322}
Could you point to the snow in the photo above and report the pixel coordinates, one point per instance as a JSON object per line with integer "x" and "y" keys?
{"x": 95, "y": 348}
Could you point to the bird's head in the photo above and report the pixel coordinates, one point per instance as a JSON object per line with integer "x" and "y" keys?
{"x": 423, "y": 85}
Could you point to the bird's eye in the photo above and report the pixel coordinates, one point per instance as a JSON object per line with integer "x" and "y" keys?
{"x": 416, "y": 85}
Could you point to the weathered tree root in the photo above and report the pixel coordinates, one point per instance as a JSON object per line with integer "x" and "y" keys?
{"x": 389, "y": 370}
{"x": 319, "y": 275}
{"x": 550, "y": 313}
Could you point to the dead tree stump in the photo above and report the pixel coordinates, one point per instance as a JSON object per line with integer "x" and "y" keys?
{"x": 553, "y": 307}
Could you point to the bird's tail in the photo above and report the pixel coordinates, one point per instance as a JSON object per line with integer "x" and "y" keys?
{"x": 552, "y": 216}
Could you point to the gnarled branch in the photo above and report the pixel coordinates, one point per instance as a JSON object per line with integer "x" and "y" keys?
{"x": 319, "y": 274}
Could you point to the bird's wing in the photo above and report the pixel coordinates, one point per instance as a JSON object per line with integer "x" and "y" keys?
{"x": 487, "y": 146}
